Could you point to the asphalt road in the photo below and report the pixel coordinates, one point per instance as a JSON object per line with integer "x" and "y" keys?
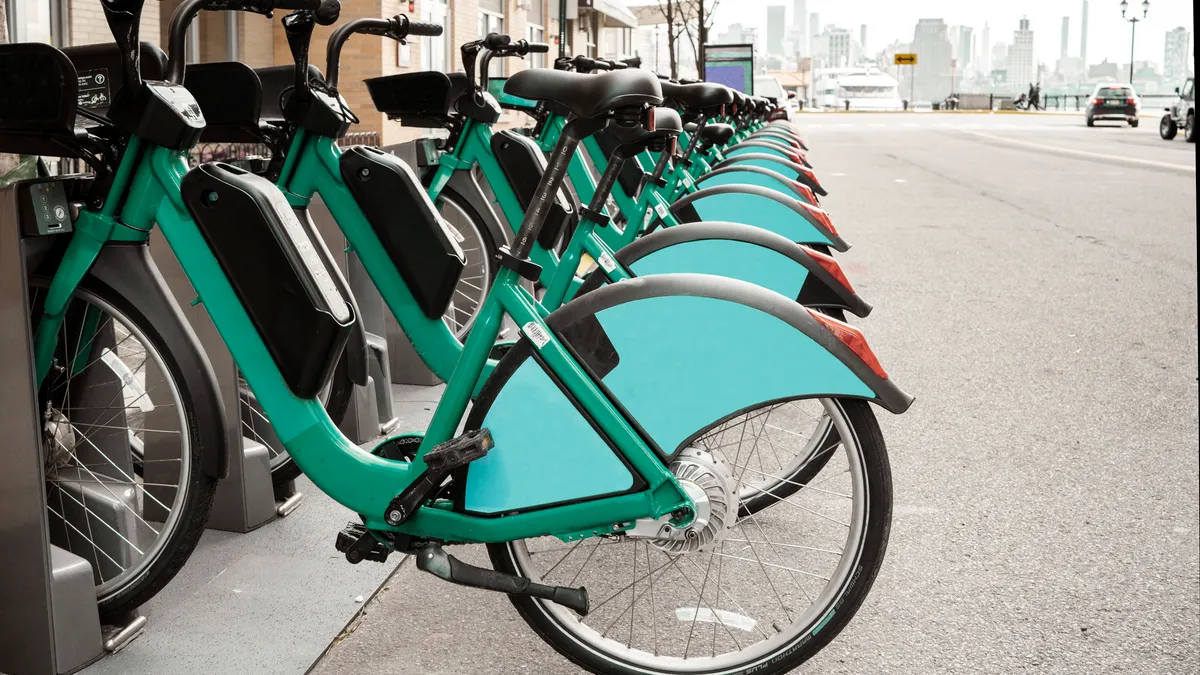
{"x": 1035, "y": 288}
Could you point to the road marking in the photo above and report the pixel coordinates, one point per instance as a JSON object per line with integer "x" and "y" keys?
{"x": 1092, "y": 155}
{"x": 900, "y": 180}
{"x": 838, "y": 174}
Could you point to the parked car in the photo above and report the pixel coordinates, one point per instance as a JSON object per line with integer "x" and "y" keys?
{"x": 1181, "y": 114}
{"x": 1113, "y": 102}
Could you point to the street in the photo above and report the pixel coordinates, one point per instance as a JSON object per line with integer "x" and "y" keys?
{"x": 1035, "y": 288}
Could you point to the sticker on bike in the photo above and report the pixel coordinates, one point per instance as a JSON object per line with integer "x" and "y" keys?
{"x": 536, "y": 334}
{"x": 606, "y": 262}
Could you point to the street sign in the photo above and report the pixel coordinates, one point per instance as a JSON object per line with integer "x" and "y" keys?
{"x": 906, "y": 59}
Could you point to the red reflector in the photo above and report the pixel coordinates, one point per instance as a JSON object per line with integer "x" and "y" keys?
{"x": 829, "y": 264}
{"x": 852, "y": 338}
{"x": 809, "y": 172}
{"x": 805, "y": 191}
{"x": 650, "y": 119}
{"x": 1132, "y": 101}
{"x": 821, "y": 216}
{"x": 1095, "y": 101}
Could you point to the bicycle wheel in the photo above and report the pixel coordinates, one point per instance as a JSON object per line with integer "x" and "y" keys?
{"x": 480, "y": 249}
{"x": 124, "y": 385}
{"x": 758, "y": 594}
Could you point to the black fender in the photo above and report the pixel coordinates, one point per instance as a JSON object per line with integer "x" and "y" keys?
{"x": 821, "y": 287}
{"x": 467, "y": 186}
{"x": 801, "y": 173}
{"x": 129, "y": 270}
{"x": 686, "y": 211}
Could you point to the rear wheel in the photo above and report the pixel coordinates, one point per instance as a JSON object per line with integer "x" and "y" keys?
{"x": 1167, "y": 128}
{"x": 765, "y": 593}
{"x": 123, "y": 445}
{"x": 1090, "y": 121}
{"x": 1189, "y": 129}
{"x": 480, "y": 249}
{"x": 1133, "y": 123}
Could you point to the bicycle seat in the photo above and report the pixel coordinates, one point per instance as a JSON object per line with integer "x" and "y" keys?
{"x": 739, "y": 100}
{"x": 716, "y": 134}
{"x": 586, "y": 95}
{"x": 700, "y": 96}
{"x": 275, "y": 81}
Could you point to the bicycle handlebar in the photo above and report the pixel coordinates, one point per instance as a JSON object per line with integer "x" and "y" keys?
{"x": 496, "y": 41}
{"x": 188, "y": 9}
{"x": 397, "y": 28}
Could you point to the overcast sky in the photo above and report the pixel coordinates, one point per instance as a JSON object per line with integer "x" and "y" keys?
{"x": 889, "y": 20}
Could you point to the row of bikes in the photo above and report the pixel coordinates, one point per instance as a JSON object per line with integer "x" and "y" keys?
{"x": 675, "y": 467}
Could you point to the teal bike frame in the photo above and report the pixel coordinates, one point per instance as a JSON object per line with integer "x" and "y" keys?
{"x": 147, "y": 188}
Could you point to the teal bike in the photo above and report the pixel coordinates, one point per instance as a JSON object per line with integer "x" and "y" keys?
{"x": 601, "y": 462}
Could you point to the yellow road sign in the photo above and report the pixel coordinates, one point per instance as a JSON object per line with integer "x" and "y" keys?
{"x": 906, "y": 59}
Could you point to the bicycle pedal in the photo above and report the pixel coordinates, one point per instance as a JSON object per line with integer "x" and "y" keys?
{"x": 359, "y": 544}
{"x": 458, "y": 452}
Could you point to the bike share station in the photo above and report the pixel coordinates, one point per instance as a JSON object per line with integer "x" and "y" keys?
{"x": 272, "y": 598}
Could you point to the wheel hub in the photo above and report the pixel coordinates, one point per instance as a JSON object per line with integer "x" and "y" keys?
{"x": 706, "y": 479}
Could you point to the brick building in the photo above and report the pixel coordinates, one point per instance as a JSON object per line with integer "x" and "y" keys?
{"x": 257, "y": 41}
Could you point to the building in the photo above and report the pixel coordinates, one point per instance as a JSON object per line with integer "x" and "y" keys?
{"x": 932, "y": 73}
{"x": 814, "y": 27}
{"x": 1083, "y": 32}
{"x": 984, "y": 64}
{"x": 835, "y": 48}
{"x": 1105, "y": 71}
{"x": 862, "y": 36}
{"x": 1176, "y": 49}
{"x": 594, "y": 27}
{"x": 776, "y": 23}
{"x": 734, "y": 35}
{"x": 1066, "y": 38}
{"x": 1021, "y": 60}
{"x": 800, "y": 24}
{"x": 966, "y": 48}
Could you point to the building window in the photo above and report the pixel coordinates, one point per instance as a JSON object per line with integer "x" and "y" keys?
{"x": 435, "y": 51}
{"x": 491, "y": 20}
{"x": 37, "y": 21}
{"x": 536, "y": 34}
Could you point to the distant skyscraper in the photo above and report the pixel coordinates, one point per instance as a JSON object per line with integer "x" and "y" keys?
{"x": 985, "y": 50}
{"x": 1021, "y": 64}
{"x": 1175, "y": 56}
{"x": 776, "y": 22}
{"x": 932, "y": 72}
{"x": 862, "y": 36}
{"x": 800, "y": 23}
{"x": 1066, "y": 37}
{"x": 966, "y": 43}
{"x": 814, "y": 24}
{"x": 1083, "y": 31}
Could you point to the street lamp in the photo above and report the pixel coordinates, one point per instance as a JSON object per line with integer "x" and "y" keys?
{"x": 1133, "y": 22}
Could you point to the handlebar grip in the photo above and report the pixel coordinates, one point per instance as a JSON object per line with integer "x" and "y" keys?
{"x": 538, "y": 48}
{"x": 495, "y": 41}
{"x": 329, "y": 11}
{"x": 424, "y": 28}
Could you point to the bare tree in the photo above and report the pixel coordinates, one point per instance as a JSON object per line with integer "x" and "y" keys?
{"x": 672, "y": 11}
{"x": 701, "y": 13}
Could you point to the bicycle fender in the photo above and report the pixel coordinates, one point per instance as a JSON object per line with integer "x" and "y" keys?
{"x": 762, "y": 207}
{"x": 745, "y": 174}
{"x": 466, "y": 185}
{"x": 769, "y": 147}
{"x": 679, "y": 353}
{"x": 777, "y": 163}
{"x": 740, "y": 252}
{"x": 130, "y": 271}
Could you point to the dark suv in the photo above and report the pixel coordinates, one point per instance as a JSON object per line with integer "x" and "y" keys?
{"x": 1113, "y": 102}
{"x": 1181, "y": 114}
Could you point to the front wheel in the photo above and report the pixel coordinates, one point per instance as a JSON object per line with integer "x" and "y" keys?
{"x": 762, "y": 596}
{"x": 124, "y": 443}
{"x": 1189, "y": 129}
{"x": 1167, "y": 128}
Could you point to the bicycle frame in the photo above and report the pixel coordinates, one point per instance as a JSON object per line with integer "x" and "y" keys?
{"x": 147, "y": 187}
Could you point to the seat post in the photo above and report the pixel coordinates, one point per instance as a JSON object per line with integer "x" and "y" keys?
{"x": 607, "y": 179}
{"x": 556, "y": 170}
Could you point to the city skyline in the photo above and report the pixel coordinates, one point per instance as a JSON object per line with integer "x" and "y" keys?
{"x": 1108, "y": 34}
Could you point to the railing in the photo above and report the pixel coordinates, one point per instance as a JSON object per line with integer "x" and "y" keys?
{"x": 1150, "y": 102}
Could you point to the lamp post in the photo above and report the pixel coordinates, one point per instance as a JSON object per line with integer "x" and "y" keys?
{"x": 1133, "y": 22}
